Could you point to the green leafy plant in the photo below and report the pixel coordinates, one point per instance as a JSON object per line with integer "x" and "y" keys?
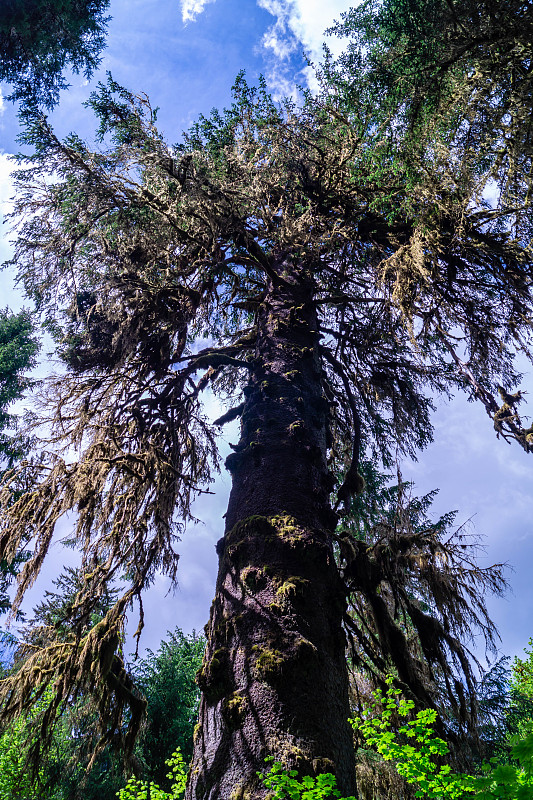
{"x": 136, "y": 789}
{"x": 414, "y": 758}
{"x": 522, "y": 673}
{"x": 14, "y": 783}
{"x": 414, "y": 748}
{"x": 285, "y": 785}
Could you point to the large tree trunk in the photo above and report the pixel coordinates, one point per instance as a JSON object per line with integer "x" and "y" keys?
{"x": 274, "y": 678}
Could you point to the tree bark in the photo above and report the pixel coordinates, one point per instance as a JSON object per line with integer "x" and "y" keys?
{"x": 274, "y": 679}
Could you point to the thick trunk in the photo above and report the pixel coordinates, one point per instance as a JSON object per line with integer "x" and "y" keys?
{"x": 274, "y": 678}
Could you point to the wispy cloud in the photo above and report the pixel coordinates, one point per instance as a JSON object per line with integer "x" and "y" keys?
{"x": 190, "y": 9}
{"x": 308, "y": 20}
{"x": 279, "y": 39}
{"x": 298, "y": 27}
{"x": 278, "y": 46}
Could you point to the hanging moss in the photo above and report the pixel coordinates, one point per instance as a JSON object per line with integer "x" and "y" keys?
{"x": 292, "y": 587}
{"x": 234, "y": 710}
{"x": 323, "y": 765}
{"x": 287, "y": 753}
{"x": 269, "y": 663}
{"x": 253, "y": 578}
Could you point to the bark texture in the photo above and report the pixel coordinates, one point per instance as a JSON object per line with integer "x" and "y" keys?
{"x": 274, "y": 678}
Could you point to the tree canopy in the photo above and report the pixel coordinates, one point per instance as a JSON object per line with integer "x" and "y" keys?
{"x": 18, "y": 352}
{"x": 167, "y": 680}
{"x": 40, "y": 38}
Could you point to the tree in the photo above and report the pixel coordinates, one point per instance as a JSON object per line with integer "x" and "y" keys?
{"x": 522, "y": 677}
{"x": 302, "y": 266}
{"x": 453, "y": 76}
{"x": 18, "y": 351}
{"x": 458, "y": 69}
{"x": 40, "y": 38}
{"x": 70, "y": 743}
{"x": 15, "y": 781}
{"x": 166, "y": 679}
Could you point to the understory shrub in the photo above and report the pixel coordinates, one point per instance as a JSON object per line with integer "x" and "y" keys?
{"x": 136, "y": 789}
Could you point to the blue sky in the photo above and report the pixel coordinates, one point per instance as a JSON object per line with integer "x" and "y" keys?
{"x": 185, "y": 56}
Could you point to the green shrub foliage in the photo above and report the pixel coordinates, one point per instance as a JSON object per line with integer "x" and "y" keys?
{"x": 148, "y": 790}
{"x": 286, "y": 786}
{"x": 416, "y": 751}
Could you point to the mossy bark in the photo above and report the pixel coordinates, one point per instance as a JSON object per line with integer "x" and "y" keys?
{"x": 274, "y": 678}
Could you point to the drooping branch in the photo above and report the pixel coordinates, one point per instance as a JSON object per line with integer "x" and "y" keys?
{"x": 353, "y": 483}
{"x": 229, "y": 416}
{"x": 416, "y": 596}
{"x": 507, "y": 423}
{"x": 53, "y": 674}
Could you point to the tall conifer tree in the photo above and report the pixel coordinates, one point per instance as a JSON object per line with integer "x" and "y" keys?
{"x": 327, "y": 273}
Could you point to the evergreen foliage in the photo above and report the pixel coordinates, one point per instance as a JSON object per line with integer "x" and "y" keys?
{"x": 450, "y": 88}
{"x": 40, "y": 38}
{"x": 18, "y": 353}
{"x": 167, "y": 681}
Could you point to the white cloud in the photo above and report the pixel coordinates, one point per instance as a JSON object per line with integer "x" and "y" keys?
{"x": 309, "y": 20}
{"x": 278, "y": 44}
{"x": 276, "y": 41}
{"x": 299, "y": 26}
{"x": 2, "y": 103}
{"x": 279, "y": 39}
{"x": 190, "y": 9}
